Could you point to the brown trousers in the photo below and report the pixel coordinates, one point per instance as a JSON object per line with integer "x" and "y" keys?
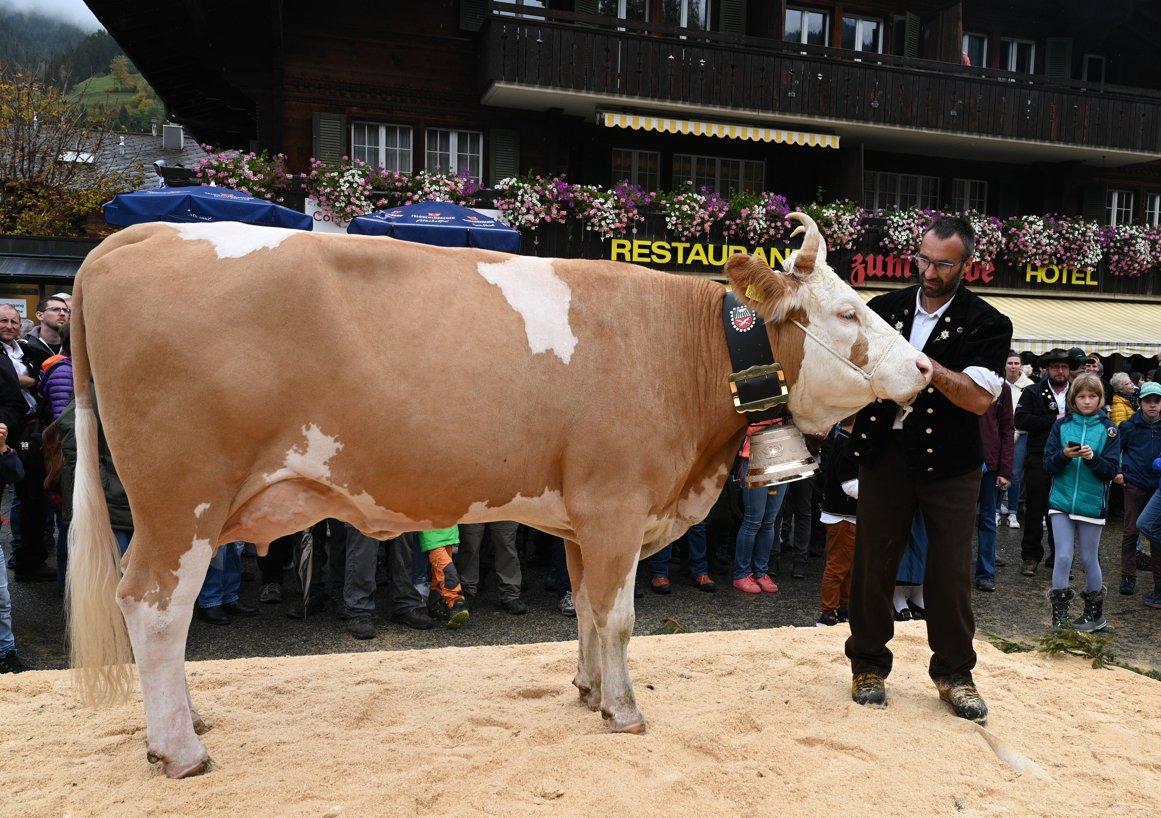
{"x": 835, "y": 592}
{"x": 888, "y": 500}
{"x": 1135, "y": 501}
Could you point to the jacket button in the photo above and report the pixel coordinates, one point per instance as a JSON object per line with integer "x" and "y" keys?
{"x": 929, "y": 430}
{"x": 863, "y": 435}
{"x": 856, "y": 454}
{"x": 872, "y": 418}
{"x": 929, "y": 468}
{"x": 930, "y": 411}
{"x": 930, "y": 389}
{"x": 931, "y": 451}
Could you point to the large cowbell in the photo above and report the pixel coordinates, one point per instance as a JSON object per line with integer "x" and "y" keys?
{"x": 779, "y": 455}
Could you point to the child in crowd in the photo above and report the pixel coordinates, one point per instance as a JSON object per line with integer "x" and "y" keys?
{"x": 1081, "y": 454}
{"x": 447, "y": 599}
{"x": 839, "y": 502}
{"x": 11, "y": 471}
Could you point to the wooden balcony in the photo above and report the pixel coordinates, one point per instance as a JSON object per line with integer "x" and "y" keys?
{"x": 553, "y": 57}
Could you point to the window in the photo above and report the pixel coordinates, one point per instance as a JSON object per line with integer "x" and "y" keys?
{"x": 862, "y": 34}
{"x": 1020, "y": 56}
{"x": 455, "y": 152}
{"x": 1153, "y": 209}
{"x": 976, "y": 48}
{"x": 805, "y": 26}
{"x": 686, "y": 13}
{"x": 724, "y": 176}
{"x": 969, "y": 194}
{"x": 625, "y": 9}
{"x": 382, "y": 146}
{"x": 1120, "y": 208}
{"x": 882, "y": 190}
{"x": 642, "y": 168}
{"x": 1093, "y": 68}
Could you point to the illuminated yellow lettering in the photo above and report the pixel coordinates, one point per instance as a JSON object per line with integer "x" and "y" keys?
{"x": 1033, "y": 274}
{"x": 620, "y": 250}
{"x": 661, "y": 252}
{"x": 760, "y": 252}
{"x": 641, "y": 251}
{"x": 737, "y": 249}
{"x": 779, "y": 256}
{"x": 1088, "y": 278}
{"x": 715, "y": 260}
{"x": 680, "y": 245}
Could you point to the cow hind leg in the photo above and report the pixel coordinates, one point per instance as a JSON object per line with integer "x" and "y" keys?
{"x": 588, "y": 672}
{"x": 610, "y": 566}
{"x": 158, "y": 630}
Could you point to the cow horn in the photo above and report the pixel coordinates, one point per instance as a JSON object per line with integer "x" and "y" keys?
{"x": 813, "y": 251}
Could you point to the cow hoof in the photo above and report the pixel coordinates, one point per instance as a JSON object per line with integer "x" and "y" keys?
{"x": 152, "y": 757}
{"x": 590, "y": 698}
{"x": 200, "y": 727}
{"x": 176, "y": 771}
{"x": 634, "y": 725}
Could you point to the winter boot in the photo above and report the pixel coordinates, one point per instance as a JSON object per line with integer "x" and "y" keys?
{"x": 1060, "y": 598}
{"x": 1093, "y": 618}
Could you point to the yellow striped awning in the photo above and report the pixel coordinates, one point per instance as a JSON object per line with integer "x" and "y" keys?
{"x": 724, "y": 130}
{"x": 1101, "y": 327}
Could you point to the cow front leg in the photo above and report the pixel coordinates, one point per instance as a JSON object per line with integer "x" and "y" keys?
{"x": 158, "y": 629}
{"x": 588, "y": 672}
{"x": 608, "y": 581}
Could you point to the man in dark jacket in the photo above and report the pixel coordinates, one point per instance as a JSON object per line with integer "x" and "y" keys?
{"x": 999, "y": 442}
{"x": 1039, "y": 407}
{"x": 1140, "y": 446}
{"x": 926, "y": 458}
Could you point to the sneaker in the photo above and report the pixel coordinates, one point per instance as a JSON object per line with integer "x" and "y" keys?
{"x": 798, "y": 571}
{"x": 747, "y": 585}
{"x": 1029, "y": 569}
{"x": 566, "y": 606}
{"x": 458, "y": 615}
{"x": 1001, "y": 563}
{"x": 1003, "y": 509}
{"x": 827, "y": 619}
{"x": 416, "y": 618}
{"x": 214, "y": 614}
{"x": 986, "y": 585}
{"x": 1013, "y": 522}
{"x": 239, "y": 608}
{"x": 843, "y": 615}
{"x": 960, "y": 692}
{"x": 271, "y": 592}
{"x": 361, "y": 627}
{"x": 869, "y": 688}
{"x": 766, "y": 584}
{"x": 514, "y": 606}
{"x": 1153, "y": 600}
{"x": 704, "y": 583}
{"x": 1128, "y": 586}
{"x": 10, "y": 662}
{"x": 659, "y": 585}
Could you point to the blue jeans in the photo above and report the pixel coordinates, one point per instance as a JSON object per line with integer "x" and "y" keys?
{"x": 222, "y": 583}
{"x": 913, "y": 566}
{"x": 695, "y": 539}
{"x": 1011, "y": 494}
{"x": 659, "y": 562}
{"x": 123, "y": 536}
{"x": 7, "y": 641}
{"x": 757, "y": 533}
{"x": 986, "y": 526}
{"x": 559, "y": 575}
{"x": 1149, "y": 523}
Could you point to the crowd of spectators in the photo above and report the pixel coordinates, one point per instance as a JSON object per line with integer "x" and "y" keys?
{"x": 1056, "y": 440}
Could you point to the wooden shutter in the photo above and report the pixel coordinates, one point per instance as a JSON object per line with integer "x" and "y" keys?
{"x": 911, "y": 35}
{"x": 732, "y": 17}
{"x": 1058, "y": 58}
{"x": 1094, "y": 203}
{"x": 587, "y": 7}
{"x": 330, "y": 136}
{"x": 472, "y": 14}
{"x": 503, "y": 154}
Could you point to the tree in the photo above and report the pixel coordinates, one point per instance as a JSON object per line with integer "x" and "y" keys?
{"x": 122, "y": 73}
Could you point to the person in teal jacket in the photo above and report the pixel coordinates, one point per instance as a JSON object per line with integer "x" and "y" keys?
{"x": 1082, "y": 455}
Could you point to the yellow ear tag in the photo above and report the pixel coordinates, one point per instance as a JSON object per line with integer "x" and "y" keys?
{"x": 754, "y": 294}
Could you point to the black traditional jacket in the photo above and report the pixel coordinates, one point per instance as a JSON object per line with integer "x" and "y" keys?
{"x": 940, "y": 439}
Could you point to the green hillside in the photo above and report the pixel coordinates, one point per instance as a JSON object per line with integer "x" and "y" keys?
{"x": 100, "y": 90}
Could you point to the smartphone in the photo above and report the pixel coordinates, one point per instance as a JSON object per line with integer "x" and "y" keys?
{"x": 1072, "y": 444}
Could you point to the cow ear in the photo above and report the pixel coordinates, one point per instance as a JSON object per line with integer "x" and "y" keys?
{"x": 768, "y": 293}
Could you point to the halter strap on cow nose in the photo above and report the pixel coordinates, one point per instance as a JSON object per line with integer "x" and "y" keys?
{"x": 866, "y": 375}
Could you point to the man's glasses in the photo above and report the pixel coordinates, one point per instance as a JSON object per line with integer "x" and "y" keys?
{"x": 923, "y": 262}
{"x": 65, "y": 310}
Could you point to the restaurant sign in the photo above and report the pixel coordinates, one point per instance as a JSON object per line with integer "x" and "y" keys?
{"x": 683, "y": 253}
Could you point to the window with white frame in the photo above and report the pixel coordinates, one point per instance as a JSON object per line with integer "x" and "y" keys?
{"x": 1153, "y": 209}
{"x": 806, "y": 26}
{"x": 723, "y": 176}
{"x": 459, "y": 152}
{"x": 682, "y": 13}
{"x": 976, "y": 48}
{"x": 883, "y": 189}
{"x": 625, "y": 9}
{"x": 862, "y": 34}
{"x": 641, "y": 168}
{"x": 1093, "y": 68}
{"x": 1120, "y": 207}
{"x": 969, "y": 194}
{"x": 1019, "y": 55}
{"x": 382, "y": 146}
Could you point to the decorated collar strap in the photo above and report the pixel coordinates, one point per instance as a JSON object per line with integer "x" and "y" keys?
{"x": 757, "y": 382}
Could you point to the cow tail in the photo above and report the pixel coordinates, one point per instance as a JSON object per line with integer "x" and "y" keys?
{"x": 99, "y": 648}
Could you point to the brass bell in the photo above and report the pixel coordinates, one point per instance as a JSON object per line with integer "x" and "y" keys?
{"x": 779, "y": 455}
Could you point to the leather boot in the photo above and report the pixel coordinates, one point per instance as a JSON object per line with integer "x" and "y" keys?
{"x": 1060, "y": 598}
{"x": 1093, "y": 618}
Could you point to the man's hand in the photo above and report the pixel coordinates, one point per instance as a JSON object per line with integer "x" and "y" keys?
{"x": 1119, "y": 479}
{"x": 960, "y": 389}
{"x": 1002, "y": 482}
{"x": 26, "y": 382}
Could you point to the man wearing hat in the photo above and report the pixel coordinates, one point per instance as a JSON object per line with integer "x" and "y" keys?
{"x": 1040, "y": 406}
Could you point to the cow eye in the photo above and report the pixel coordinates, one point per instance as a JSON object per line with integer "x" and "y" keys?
{"x": 847, "y": 315}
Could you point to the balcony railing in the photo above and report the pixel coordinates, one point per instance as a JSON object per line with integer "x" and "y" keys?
{"x": 641, "y": 63}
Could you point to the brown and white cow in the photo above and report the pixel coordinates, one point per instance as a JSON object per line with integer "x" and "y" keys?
{"x": 273, "y": 378}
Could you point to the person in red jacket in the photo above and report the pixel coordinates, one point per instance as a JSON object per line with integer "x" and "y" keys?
{"x": 998, "y": 436}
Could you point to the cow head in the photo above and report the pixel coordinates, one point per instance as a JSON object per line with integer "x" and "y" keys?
{"x": 838, "y": 355}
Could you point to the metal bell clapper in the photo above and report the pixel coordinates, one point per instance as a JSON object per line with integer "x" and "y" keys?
{"x": 779, "y": 455}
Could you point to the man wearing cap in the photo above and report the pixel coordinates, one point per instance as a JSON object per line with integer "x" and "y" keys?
{"x": 1040, "y": 406}
{"x": 1140, "y": 446}
{"x": 927, "y": 458}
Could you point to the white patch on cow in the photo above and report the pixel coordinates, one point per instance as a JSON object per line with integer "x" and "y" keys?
{"x": 201, "y": 509}
{"x": 696, "y": 505}
{"x": 542, "y": 298}
{"x": 234, "y": 239}
{"x": 311, "y": 461}
{"x": 547, "y": 510}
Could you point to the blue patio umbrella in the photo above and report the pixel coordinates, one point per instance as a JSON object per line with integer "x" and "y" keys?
{"x": 440, "y": 223}
{"x": 200, "y": 203}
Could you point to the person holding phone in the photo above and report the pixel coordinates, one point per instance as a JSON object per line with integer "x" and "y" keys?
{"x": 1082, "y": 455}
